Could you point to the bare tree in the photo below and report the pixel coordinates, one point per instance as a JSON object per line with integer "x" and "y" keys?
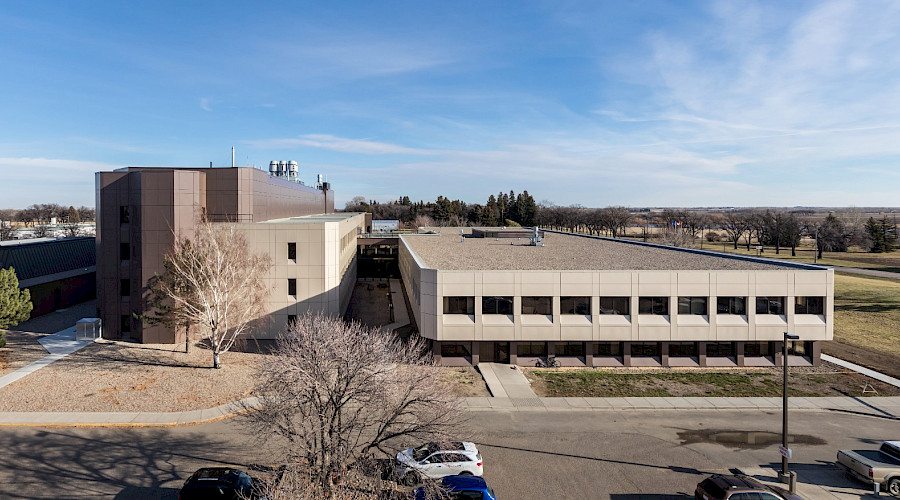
{"x": 423, "y": 221}
{"x": 41, "y": 231}
{"x": 615, "y": 220}
{"x": 7, "y": 230}
{"x": 216, "y": 283}
{"x": 735, "y": 224}
{"x": 337, "y": 393}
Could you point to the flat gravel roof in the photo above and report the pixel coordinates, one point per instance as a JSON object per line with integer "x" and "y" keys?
{"x": 567, "y": 252}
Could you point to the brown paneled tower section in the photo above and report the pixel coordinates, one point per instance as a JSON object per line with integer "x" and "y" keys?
{"x": 139, "y": 209}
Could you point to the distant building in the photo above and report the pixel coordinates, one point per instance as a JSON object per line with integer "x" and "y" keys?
{"x": 593, "y": 301}
{"x": 139, "y": 210}
{"x": 57, "y": 272}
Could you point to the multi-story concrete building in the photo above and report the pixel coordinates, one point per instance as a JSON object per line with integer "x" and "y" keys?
{"x": 592, "y": 301}
{"x": 141, "y": 210}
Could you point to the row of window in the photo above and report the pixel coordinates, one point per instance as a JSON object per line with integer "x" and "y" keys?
{"x": 622, "y": 305}
{"x": 638, "y": 349}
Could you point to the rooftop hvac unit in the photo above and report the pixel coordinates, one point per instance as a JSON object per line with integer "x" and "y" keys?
{"x": 273, "y": 168}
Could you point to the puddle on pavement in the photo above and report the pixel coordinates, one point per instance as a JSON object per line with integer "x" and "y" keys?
{"x": 744, "y": 439}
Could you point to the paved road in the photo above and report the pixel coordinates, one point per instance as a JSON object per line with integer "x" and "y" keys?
{"x": 868, "y": 272}
{"x": 620, "y": 455}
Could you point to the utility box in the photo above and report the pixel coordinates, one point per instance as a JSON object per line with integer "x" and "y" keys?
{"x": 88, "y": 329}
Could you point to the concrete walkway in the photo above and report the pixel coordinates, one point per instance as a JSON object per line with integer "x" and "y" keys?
{"x": 58, "y": 345}
{"x": 821, "y": 482}
{"x": 862, "y": 369}
{"x": 867, "y": 272}
{"x": 505, "y": 381}
{"x": 401, "y": 315}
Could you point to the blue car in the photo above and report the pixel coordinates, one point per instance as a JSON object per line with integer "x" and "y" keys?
{"x": 463, "y": 488}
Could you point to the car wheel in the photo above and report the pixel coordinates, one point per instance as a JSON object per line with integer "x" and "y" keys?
{"x": 893, "y": 487}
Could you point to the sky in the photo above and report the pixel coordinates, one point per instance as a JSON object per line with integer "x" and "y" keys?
{"x": 597, "y": 103}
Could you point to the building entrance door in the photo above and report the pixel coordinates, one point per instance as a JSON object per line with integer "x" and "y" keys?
{"x": 501, "y": 352}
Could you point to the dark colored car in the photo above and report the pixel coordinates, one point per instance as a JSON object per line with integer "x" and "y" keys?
{"x": 739, "y": 487}
{"x": 463, "y": 488}
{"x": 219, "y": 483}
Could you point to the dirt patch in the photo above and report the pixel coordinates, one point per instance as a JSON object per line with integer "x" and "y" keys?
{"x": 121, "y": 376}
{"x": 880, "y": 361}
{"x": 21, "y": 349}
{"x": 466, "y": 381}
{"x": 827, "y": 380}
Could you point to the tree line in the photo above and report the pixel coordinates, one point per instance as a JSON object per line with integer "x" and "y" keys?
{"x": 39, "y": 216}
{"x": 503, "y": 209}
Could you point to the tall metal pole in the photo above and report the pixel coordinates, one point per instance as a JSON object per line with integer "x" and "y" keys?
{"x": 816, "y": 254}
{"x": 784, "y": 406}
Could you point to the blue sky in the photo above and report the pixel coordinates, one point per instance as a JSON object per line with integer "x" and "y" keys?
{"x": 650, "y": 103}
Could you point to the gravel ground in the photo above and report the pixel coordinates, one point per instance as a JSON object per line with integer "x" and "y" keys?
{"x": 565, "y": 252}
{"x": 121, "y": 376}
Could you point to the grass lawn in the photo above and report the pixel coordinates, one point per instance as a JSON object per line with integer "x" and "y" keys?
{"x": 867, "y": 313}
{"x": 762, "y": 383}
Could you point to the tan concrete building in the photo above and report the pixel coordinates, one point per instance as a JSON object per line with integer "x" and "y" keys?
{"x": 139, "y": 210}
{"x": 600, "y": 302}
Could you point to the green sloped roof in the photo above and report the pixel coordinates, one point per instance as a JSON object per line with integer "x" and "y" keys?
{"x": 32, "y": 260}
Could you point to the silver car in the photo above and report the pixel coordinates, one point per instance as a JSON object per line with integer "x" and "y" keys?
{"x": 436, "y": 460}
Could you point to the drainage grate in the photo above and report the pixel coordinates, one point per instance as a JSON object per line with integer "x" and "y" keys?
{"x": 526, "y": 402}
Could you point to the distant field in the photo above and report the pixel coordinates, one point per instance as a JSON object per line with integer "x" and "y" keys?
{"x": 867, "y": 313}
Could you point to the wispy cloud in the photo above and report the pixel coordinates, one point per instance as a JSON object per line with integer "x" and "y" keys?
{"x": 205, "y": 104}
{"x": 339, "y": 144}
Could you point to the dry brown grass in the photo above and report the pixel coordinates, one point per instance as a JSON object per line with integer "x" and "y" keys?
{"x": 867, "y": 313}
{"x": 466, "y": 381}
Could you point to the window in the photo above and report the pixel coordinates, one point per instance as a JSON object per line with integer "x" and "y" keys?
{"x": 125, "y": 288}
{"x": 757, "y": 349}
{"x": 125, "y": 323}
{"x": 292, "y": 318}
{"x": 809, "y": 305}
{"x": 292, "y": 251}
{"x": 531, "y": 349}
{"x": 890, "y": 450}
{"x": 645, "y": 349}
{"x": 496, "y": 305}
{"x": 692, "y": 305}
{"x": 798, "y": 348}
{"x": 770, "y": 305}
{"x": 459, "y": 305}
{"x": 292, "y": 286}
{"x": 570, "y": 349}
{"x": 576, "y": 305}
{"x": 682, "y": 349}
{"x": 450, "y": 350}
{"x": 719, "y": 349}
{"x": 537, "y": 305}
{"x": 124, "y": 218}
{"x": 124, "y": 251}
{"x": 653, "y": 305}
{"x": 731, "y": 305}
{"x": 615, "y": 305}
{"x": 607, "y": 349}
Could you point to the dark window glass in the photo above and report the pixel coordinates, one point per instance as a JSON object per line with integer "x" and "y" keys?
{"x": 770, "y": 305}
{"x": 653, "y": 305}
{"x": 292, "y": 286}
{"x": 756, "y": 349}
{"x": 692, "y": 305}
{"x": 607, "y": 349}
{"x": 682, "y": 349}
{"x": 615, "y": 305}
{"x": 537, "y": 305}
{"x": 798, "y": 348}
{"x": 731, "y": 305}
{"x": 641, "y": 349}
{"x": 531, "y": 349}
{"x": 890, "y": 450}
{"x": 125, "y": 323}
{"x": 497, "y": 305}
{"x": 292, "y": 318}
{"x": 459, "y": 305}
{"x": 449, "y": 350}
{"x": 124, "y": 218}
{"x": 292, "y": 251}
{"x": 570, "y": 349}
{"x": 719, "y": 349}
{"x": 713, "y": 489}
{"x": 576, "y": 305}
{"x": 125, "y": 288}
{"x": 809, "y": 305}
{"x": 124, "y": 251}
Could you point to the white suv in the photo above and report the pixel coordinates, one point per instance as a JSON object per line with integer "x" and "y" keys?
{"x": 436, "y": 460}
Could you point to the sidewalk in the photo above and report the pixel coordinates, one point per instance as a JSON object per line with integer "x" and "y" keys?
{"x": 58, "y": 345}
{"x": 816, "y": 482}
{"x": 505, "y": 381}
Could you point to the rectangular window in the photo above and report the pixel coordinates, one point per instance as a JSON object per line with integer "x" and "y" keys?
{"x": 292, "y": 318}
{"x": 124, "y": 218}
{"x": 719, "y": 349}
{"x": 770, "y": 305}
{"x": 576, "y": 305}
{"x": 809, "y": 305}
{"x": 757, "y": 349}
{"x": 645, "y": 349}
{"x": 653, "y": 305}
{"x": 459, "y": 305}
{"x": 798, "y": 348}
{"x": 497, "y": 305}
{"x": 731, "y": 305}
{"x": 449, "y": 350}
{"x": 537, "y": 305}
{"x": 124, "y": 251}
{"x": 607, "y": 349}
{"x": 682, "y": 349}
{"x": 615, "y": 305}
{"x": 292, "y": 286}
{"x": 692, "y": 305}
{"x": 125, "y": 323}
{"x": 531, "y": 349}
{"x": 570, "y": 349}
{"x": 292, "y": 251}
{"x": 125, "y": 288}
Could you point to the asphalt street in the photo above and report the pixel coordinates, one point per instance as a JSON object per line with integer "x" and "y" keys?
{"x": 619, "y": 455}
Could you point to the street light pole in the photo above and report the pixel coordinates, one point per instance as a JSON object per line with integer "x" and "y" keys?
{"x": 816, "y": 254}
{"x": 784, "y": 476}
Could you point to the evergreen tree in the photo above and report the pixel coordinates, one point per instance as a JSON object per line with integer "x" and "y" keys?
{"x": 883, "y": 234}
{"x": 15, "y": 304}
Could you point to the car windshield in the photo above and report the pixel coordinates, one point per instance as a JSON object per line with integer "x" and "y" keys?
{"x": 712, "y": 489}
{"x": 891, "y": 451}
{"x": 423, "y": 451}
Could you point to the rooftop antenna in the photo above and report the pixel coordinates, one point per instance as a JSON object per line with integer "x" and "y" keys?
{"x": 232, "y": 156}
